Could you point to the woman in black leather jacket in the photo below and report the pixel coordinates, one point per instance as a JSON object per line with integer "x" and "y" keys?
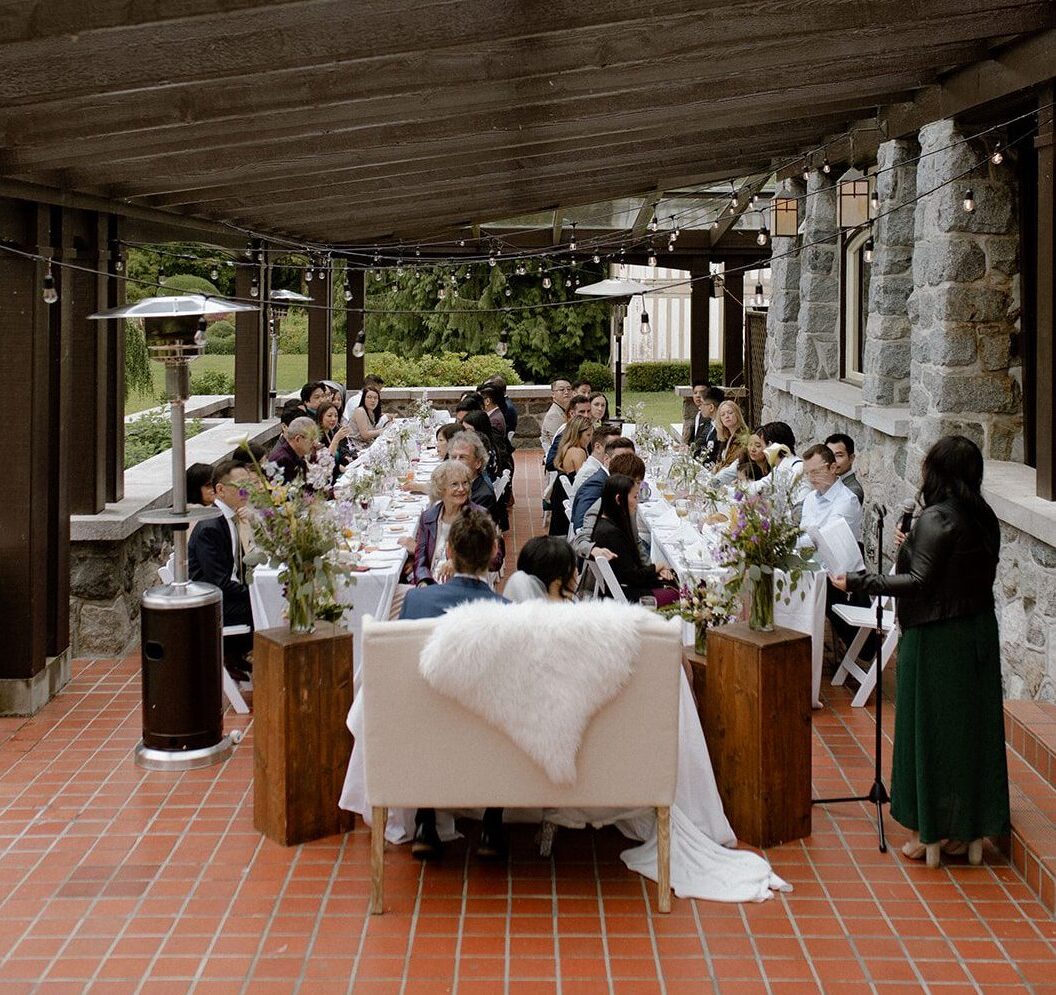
{"x": 949, "y": 780}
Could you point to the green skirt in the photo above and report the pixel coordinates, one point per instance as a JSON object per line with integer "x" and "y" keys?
{"x": 949, "y": 778}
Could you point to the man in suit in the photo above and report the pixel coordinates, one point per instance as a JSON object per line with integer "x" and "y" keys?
{"x": 292, "y": 450}
{"x": 554, "y": 419}
{"x": 842, "y": 447}
{"x": 699, "y": 434}
{"x": 215, "y": 552}
{"x": 471, "y": 545}
{"x": 590, "y": 490}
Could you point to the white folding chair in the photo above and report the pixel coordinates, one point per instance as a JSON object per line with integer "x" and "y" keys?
{"x": 501, "y": 484}
{"x": 865, "y": 619}
{"x": 605, "y": 578}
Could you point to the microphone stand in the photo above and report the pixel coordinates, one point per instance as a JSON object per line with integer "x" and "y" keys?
{"x": 877, "y": 795}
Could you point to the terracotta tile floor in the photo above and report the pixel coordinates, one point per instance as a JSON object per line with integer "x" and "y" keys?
{"x": 116, "y": 880}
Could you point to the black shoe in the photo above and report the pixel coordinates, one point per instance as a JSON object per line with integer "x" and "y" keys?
{"x": 427, "y": 844}
{"x": 492, "y": 844}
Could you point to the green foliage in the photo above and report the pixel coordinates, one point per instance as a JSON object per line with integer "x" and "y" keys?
{"x": 448, "y": 369}
{"x": 220, "y": 338}
{"x": 598, "y": 374}
{"x": 139, "y": 378}
{"x": 293, "y": 333}
{"x": 542, "y": 339}
{"x": 151, "y": 434}
{"x": 716, "y": 373}
{"x": 188, "y": 283}
{"x": 656, "y": 376}
{"x": 180, "y": 260}
{"x": 213, "y": 382}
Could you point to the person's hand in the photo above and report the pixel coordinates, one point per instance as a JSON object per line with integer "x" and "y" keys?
{"x": 407, "y": 543}
{"x": 243, "y": 514}
{"x": 599, "y": 553}
{"x": 665, "y": 573}
{"x": 445, "y": 572}
{"x": 839, "y": 581}
{"x": 900, "y": 537}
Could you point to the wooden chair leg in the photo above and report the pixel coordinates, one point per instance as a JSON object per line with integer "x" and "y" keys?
{"x": 378, "y": 817}
{"x": 663, "y": 858}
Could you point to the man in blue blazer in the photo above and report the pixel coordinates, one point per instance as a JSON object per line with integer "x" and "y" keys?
{"x": 590, "y": 489}
{"x": 471, "y": 545}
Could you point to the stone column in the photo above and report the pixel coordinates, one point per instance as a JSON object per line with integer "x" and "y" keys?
{"x": 818, "y": 346}
{"x": 782, "y": 320}
{"x": 964, "y": 307}
{"x": 886, "y": 373}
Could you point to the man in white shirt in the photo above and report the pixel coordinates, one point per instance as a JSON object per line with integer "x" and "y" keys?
{"x": 554, "y": 419}
{"x": 829, "y": 498}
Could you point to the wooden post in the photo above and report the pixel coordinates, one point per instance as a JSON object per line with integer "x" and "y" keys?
{"x": 114, "y": 364}
{"x": 663, "y": 858}
{"x": 302, "y": 691}
{"x": 355, "y": 321}
{"x": 320, "y": 326}
{"x": 1045, "y": 425}
{"x": 251, "y": 346}
{"x": 758, "y": 719}
{"x": 733, "y": 329}
{"x": 699, "y": 321}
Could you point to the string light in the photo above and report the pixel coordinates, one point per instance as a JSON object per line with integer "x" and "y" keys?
{"x": 119, "y": 265}
{"x": 503, "y": 345}
{"x": 547, "y": 282}
{"x": 443, "y": 292}
{"x": 997, "y": 156}
{"x": 49, "y": 293}
{"x": 596, "y": 258}
{"x": 254, "y": 286}
{"x": 652, "y": 257}
{"x": 521, "y": 270}
{"x": 825, "y": 167}
{"x": 347, "y": 289}
{"x": 764, "y": 235}
{"x": 572, "y": 240}
{"x": 309, "y": 274}
{"x": 867, "y": 251}
{"x": 646, "y": 327}
{"x": 491, "y": 258}
{"x": 806, "y": 171}
{"x": 199, "y": 336}
{"x": 969, "y": 200}
{"x": 653, "y": 224}
{"x": 359, "y": 347}
{"x": 760, "y": 300}
{"x": 214, "y": 273}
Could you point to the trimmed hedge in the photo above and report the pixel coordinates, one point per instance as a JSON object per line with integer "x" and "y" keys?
{"x": 664, "y": 376}
{"x": 447, "y": 369}
{"x": 598, "y": 374}
{"x": 220, "y": 338}
{"x": 213, "y": 382}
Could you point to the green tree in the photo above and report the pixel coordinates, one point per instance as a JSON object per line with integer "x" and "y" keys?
{"x": 542, "y": 339}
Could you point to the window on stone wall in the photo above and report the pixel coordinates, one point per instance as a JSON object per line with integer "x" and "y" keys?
{"x": 854, "y": 306}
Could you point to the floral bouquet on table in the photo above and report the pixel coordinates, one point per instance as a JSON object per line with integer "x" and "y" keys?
{"x": 763, "y": 536}
{"x": 705, "y": 601}
{"x": 422, "y": 412}
{"x": 295, "y": 526}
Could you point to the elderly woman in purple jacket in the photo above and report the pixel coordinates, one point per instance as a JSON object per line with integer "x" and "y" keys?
{"x": 450, "y": 488}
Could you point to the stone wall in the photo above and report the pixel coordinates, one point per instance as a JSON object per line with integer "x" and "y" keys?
{"x": 817, "y": 344}
{"x": 782, "y": 325}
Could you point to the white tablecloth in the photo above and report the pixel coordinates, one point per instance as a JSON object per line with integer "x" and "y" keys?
{"x": 804, "y": 612}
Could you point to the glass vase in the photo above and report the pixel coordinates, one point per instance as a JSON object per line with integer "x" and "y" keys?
{"x": 761, "y": 606}
{"x": 300, "y": 598}
{"x": 700, "y": 638}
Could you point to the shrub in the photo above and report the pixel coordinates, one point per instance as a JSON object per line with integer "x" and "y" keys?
{"x": 599, "y": 375}
{"x": 477, "y": 369}
{"x": 394, "y": 370}
{"x": 447, "y": 369}
{"x": 655, "y": 377}
{"x": 716, "y": 373}
{"x": 220, "y": 338}
{"x": 186, "y": 283}
{"x": 439, "y": 370}
{"x": 293, "y": 333}
{"x": 151, "y": 434}
{"x": 213, "y": 382}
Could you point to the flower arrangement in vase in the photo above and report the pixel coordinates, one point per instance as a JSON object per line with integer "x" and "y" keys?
{"x": 706, "y": 602}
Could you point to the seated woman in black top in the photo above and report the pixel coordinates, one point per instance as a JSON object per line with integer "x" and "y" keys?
{"x": 335, "y": 436}
{"x": 615, "y": 531}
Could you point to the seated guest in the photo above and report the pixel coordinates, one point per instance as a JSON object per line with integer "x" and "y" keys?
{"x": 616, "y": 532}
{"x": 215, "y": 552}
{"x": 466, "y": 447}
{"x": 730, "y": 433}
{"x": 367, "y": 421}
{"x": 471, "y": 546}
{"x": 753, "y": 464}
{"x": 571, "y": 455}
{"x": 546, "y": 569}
{"x": 444, "y": 434}
{"x": 700, "y": 434}
{"x": 596, "y": 460}
{"x": 842, "y": 447}
{"x": 200, "y": 484}
{"x": 290, "y": 410}
{"x": 589, "y": 492}
{"x": 450, "y": 485}
{"x": 509, "y": 412}
{"x": 623, "y": 461}
{"x": 312, "y": 395}
{"x": 500, "y": 461}
{"x": 599, "y": 407}
{"x": 493, "y": 408}
{"x": 554, "y": 419}
{"x": 291, "y": 453}
{"x": 477, "y": 421}
{"x": 581, "y": 387}
{"x": 786, "y": 467}
{"x": 334, "y": 436}
{"x": 352, "y": 398}
{"x": 829, "y": 497}
{"x": 250, "y": 454}
{"x": 578, "y": 407}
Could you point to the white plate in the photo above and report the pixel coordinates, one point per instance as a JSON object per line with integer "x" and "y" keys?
{"x": 388, "y": 545}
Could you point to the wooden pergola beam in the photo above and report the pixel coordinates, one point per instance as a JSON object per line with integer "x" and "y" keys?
{"x": 730, "y": 214}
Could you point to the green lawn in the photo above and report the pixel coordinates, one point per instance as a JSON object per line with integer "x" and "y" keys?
{"x": 661, "y": 409}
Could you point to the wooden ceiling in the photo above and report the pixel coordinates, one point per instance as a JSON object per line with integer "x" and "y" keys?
{"x": 344, "y": 121}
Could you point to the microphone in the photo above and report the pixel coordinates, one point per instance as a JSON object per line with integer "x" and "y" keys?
{"x": 907, "y": 517}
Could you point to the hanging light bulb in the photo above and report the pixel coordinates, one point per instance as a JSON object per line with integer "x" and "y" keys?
{"x": 577, "y": 280}
{"x": 521, "y": 270}
{"x": 503, "y": 345}
{"x": 969, "y": 200}
{"x": 596, "y": 258}
{"x": 759, "y": 299}
{"x": 826, "y": 168}
{"x": 735, "y": 199}
{"x": 309, "y": 275}
{"x": 652, "y": 257}
{"x": 199, "y": 336}
{"x": 806, "y": 171}
{"x": 714, "y": 225}
{"x": 764, "y": 235}
{"x": 997, "y": 156}
{"x": 161, "y": 272}
{"x": 647, "y": 329}
{"x": 454, "y": 291}
{"x": 359, "y": 347}
{"x": 547, "y": 282}
{"x": 867, "y": 250}
{"x": 461, "y": 243}
{"x": 755, "y": 200}
{"x": 509, "y": 292}
{"x": 491, "y": 258}
{"x": 254, "y": 286}
{"x": 49, "y": 293}
{"x": 214, "y": 273}
{"x": 671, "y": 246}
{"x": 249, "y": 250}
{"x": 454, "y": 280}
{"x": 874, "y": 202}
{"x": 572, "y": 240}
{"x": 119, "y": 265}
{"x": 377, "y": 257}
{"x": 417, "y": 251}
{"x": 653, "y": 224}
{"x": 442, "y": 293}
{"x": 348, "y": 290}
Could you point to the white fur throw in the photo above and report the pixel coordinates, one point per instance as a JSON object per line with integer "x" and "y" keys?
{"x": 538, "y": 671}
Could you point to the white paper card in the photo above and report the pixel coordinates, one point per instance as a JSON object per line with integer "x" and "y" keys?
{"x": 837, "y": 548}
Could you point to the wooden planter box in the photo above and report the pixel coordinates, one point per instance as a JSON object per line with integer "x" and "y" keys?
{"x": 302, "y": 691}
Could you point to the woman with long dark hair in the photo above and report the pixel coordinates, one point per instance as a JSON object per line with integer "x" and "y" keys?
{"x": 367, "y": 421}
{"x": 334, "y": 435}
{"x": 949, "y": 782}
{"x": 615, "y": 531}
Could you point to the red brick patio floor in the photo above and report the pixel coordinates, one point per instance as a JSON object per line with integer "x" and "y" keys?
{"x": 119, "y": 880}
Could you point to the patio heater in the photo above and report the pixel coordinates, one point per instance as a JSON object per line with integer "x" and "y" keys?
{"x": 180, "y": 622}
{"x": 279, "y": 301}
{"x": 619, "y": 293}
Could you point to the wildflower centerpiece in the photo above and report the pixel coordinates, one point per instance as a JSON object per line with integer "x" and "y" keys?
{"x": 705, "y": 601}
{"x": 295, "y": 526}
{"x": 761, "y": 539}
